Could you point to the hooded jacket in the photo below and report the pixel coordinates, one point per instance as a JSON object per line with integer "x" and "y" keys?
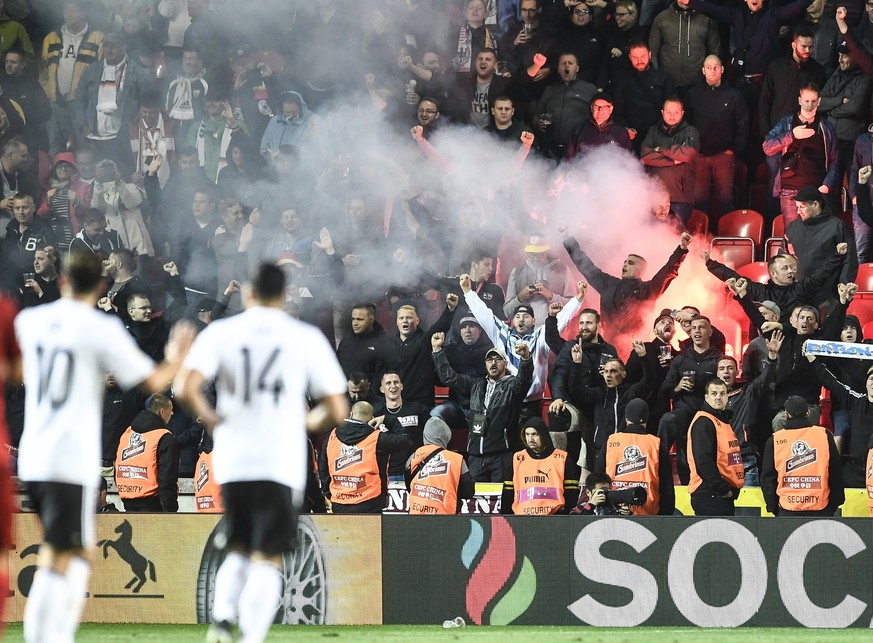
{"x": 280, "y": 131}
{"x": 438, "y": 433}
{"x": 587, "y": 375}
{"x": 167, "y": 498}
{"x": 352, "y": 432}
{"x": 503, "y": 404}
{"x": 554, "y": 273}
{"x": 848, "y": 118}
{"x": 545, "y": 436}
{"x": 680, "y": 39}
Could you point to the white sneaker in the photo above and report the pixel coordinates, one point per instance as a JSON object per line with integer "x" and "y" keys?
{"x": 220, "y": 633}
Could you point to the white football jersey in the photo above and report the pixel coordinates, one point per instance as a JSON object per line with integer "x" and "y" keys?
{"x": 266, "y": 362}
{"x": 67, "y": 348}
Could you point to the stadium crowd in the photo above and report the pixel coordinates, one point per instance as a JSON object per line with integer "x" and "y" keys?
{"x": 409, "y": 164}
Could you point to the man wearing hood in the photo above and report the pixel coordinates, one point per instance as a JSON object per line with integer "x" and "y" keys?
{"x": 714, "y": 455}
{"x": 438, "y": 479}
{"x": 353, "y": 463}
{"x": 811, "y": 238}
{"x": 851, "y": 372}
{"x": 494, "y": 403}
{"x": 538, "y": 473}
{"x": 635, "y": 458}
{"x": 296, "y": 126}
{"x": 691, "y": 369}
{"x": 800, "y": 470}
{"x": 624, "y": 299}
{"x": 147, "y": 464}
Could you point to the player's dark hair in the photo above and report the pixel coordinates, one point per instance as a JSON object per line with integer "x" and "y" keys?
{"x": 268, "y": 282}
{"x": 83, "y": 271}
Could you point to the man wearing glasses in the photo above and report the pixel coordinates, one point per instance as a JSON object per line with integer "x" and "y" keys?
{"x": 428, "y": 115}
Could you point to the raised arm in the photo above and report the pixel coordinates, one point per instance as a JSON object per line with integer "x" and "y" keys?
{"x": 670, "y": 270}
{"x": 595, "y": 276}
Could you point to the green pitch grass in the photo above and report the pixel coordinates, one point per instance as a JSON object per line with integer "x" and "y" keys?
{"x": 105, "y": 633}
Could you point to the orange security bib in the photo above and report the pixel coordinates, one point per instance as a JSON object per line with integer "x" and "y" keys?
{"x": 207, "y": 492}
{"x": 538, "y": 484}
{"x": 802, "y": 458}
{"x": 632, "y": 460}
{"x": 354, "y": 470}
{"x": 727, "y": 456}
{"x": 434, "y": 489}
{"x": 136, "y": 464}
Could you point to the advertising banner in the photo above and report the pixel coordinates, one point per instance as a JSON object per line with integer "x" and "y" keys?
{"x": 161, "y": 569}
{"x": 623, "y": 572}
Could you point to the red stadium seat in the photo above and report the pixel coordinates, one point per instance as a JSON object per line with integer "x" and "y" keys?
{"x": 742, "y": 223}
{"x": 756, "y": 271}
{"x": 778, "y": 229}
{"x": 733, "y": 251}
{"x": 774, "y": 242}
{"x": 862, "y": 309}
{"x": 867, "y": 329}
{"x": 865, "y": 281}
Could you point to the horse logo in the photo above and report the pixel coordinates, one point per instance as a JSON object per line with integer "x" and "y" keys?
{"x": 139, "y": 564}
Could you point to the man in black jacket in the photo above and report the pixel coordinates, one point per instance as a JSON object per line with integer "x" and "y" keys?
{"x": 812, "y": 455}
{"x": 360, "y": 351}
{"x": 494, "y": 405}
{"x": 860, "y": 408}
{"x": 408, "y": 353}
{"x": 811, "y": 238}
{"x": 623, "y": 300}
{"x": 691, "y": 369}
{"x": 605, "y": 404}
{"x": 716, "y": 464}
{"x": 656, "y": 362}
{"x": 784, "y": 289}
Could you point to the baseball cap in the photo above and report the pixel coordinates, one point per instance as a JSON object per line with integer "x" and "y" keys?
{"x": 524, "y": 308}
{"x": 771, "y": 306}
{"x": 796, "y": 406}
{"x": 536, "y": 243}
{"x": 496, "y": 351}
{"x": 664, "y": 313}
{"x": 810, "y": 194}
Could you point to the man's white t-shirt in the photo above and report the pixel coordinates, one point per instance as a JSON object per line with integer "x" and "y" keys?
{"x": 266, "y": 362}
{"x": 67, "y": 349}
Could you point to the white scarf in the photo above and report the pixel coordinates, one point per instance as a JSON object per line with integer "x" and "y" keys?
{"x": 181, "y": 104}
{"x": 111, "y": 85}
{"x": 222, "y": 151}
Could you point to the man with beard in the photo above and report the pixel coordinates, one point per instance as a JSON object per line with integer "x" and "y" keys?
{"x": 565, "y": 409}
{"x": 494, "y": 402}
{"x": 599, "y": 130}
{"x": 479, "y": 93}
{"x": 428, "y": 115}
{"x": 691, "y": 369}
{"x": 231, "y": 245}
{"x": 623, "y": 300}
{"x": 640, "y": 94}
{"x": 656, "y": 361}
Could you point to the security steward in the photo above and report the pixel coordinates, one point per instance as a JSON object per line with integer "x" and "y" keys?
{"x": 207, "y": 492}
{"x": 538, "y": 472}
{"x": 714, "y": 456}
{"x": 635, "y": 458}
{"x": 438, "y": 479}
{"x": 353, "y": 463}
{"x": 801, "y": 472}
{"x": 147, "y": 462}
